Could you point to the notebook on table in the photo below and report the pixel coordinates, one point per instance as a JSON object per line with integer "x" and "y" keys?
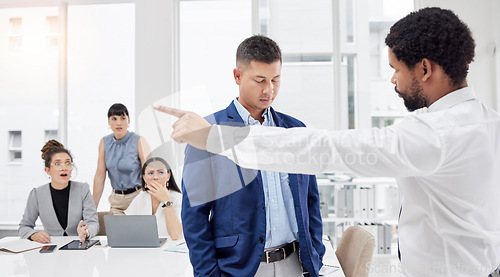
{"x": 132, "y": 231}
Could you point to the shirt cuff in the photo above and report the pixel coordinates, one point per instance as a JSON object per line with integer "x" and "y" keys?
{"x": 214, "y": 143}
{"x": 222, "y": 138}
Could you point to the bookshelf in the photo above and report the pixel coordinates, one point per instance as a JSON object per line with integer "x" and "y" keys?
{"x": 372, "y": 203}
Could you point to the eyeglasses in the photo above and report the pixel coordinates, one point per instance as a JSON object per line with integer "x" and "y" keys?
{"x": 60, "y": 165}
{"x": 160, "y": 173}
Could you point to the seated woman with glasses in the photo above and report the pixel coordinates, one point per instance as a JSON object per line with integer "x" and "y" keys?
{"x": 161, "y": 197}
{"x": 65, "y": 207}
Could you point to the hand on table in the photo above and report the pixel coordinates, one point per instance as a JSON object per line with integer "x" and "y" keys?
{"x": 190, "y": 127}
{"x": 40, "y": 237}
{"x": 82, "y": 231}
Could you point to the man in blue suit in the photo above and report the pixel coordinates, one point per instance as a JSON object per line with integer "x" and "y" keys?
{"x": 241, "y": 222}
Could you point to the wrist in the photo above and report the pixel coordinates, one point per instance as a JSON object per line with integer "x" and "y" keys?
{"x": 167, "y": 204}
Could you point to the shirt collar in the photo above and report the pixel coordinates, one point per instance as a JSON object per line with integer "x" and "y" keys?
{"x": 247, "y": 118}
{"x": 124, "y": 139}
{"x": 452, "y": 98}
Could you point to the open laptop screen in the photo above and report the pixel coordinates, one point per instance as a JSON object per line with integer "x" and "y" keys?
{"x": 132, "y": 231}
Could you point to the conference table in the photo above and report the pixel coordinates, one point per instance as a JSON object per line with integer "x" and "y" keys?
{"x": 102, "y": 260}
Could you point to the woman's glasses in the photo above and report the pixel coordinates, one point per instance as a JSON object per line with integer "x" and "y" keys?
{"x": 59, "y": 165}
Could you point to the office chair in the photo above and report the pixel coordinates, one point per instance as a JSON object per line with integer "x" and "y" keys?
{"x": 355, "y": 251}
{"x": 102, "y": 228}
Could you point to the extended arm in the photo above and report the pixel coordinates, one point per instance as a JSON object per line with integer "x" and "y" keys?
{"x": 411, "y": 148}
{"x": 143, "y": 150}
{"x": 100, "y": 175}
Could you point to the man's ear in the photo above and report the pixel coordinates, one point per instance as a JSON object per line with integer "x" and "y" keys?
{"x": 237, "y": 75}
{"x": 426, "y": 69}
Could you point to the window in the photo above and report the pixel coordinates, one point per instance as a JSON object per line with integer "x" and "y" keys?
{"x": 219, "y": 27}
{"x": 52, "y": 31}
{"x": 349, "y": 62}
{"x": 350, "y": 23}
{"x": 303, "y": 30}
{"x": 15, "y": 35}
{"x": 50, "y": 134}
{"x": 386, "y": 107}
{"x": 15, "y": 146}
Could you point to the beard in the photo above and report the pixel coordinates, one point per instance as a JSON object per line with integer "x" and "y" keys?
{"x": 413, "y": 97}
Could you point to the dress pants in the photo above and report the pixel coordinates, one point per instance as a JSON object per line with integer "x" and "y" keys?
{"x": 119, "y": 202}
{"x": 289, "y": 267}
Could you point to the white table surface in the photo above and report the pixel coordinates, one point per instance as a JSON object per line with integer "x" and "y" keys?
{"x": 106, "y": 261}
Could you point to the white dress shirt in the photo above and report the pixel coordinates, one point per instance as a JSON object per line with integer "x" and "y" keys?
{"x": 142, "y": 205}
{"x": 446, "y": 162}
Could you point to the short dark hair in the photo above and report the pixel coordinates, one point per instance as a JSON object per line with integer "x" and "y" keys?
{"x": 117, "y": 109}
{"x": 172, "y": 185}
{"x": 258, "y": 48}
{"x": 51, "y": 148}
{"x": 436, "y": 34}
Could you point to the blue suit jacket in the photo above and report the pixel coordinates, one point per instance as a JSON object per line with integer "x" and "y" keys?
{"x": 223, "y": 210}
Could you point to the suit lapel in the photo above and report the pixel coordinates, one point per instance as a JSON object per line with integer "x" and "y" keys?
{"x": 233, "y": 118}
{"x": 277, "y": 119}
{"x": 73, "y": 198}
{"x": 46, "y": 206}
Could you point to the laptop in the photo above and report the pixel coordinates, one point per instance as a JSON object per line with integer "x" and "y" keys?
{"x": 132, "y": 231}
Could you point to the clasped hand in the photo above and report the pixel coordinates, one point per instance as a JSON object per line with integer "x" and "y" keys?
{"x": 158, "y": 191}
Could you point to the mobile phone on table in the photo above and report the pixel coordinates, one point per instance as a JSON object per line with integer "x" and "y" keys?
{"x": 48, "y": 248}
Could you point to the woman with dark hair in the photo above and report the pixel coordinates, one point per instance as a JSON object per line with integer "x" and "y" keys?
{"x": 160, "y": 196}
{"x": 65, "y": 207}
{"x": 121, "y": 155}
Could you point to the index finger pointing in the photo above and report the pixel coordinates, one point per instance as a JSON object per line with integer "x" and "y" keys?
{"x": 171, "y": 111}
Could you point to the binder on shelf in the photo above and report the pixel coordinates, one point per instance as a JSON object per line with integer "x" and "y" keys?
{"x": 356, "y": 201}
{"x": 388, "y": 239}
{"x": 392, "y": 204}
{"x": 340, "y": 202}
{"x": 349, "y": 200}
{"x": 363, "y": 202}
{"x": 371, "y": 202}
{"x": 381, "y": 238}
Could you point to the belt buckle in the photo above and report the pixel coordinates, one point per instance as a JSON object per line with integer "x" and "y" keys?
{"x": 275, "y": 251}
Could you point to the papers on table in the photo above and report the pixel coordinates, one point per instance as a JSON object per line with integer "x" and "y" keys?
{"x": 180, "y": 248}
{"x": 327, "y": 269}
{"x": 19, "y": 246}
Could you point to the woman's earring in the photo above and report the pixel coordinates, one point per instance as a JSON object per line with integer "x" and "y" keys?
{"x": 167, "y": 184}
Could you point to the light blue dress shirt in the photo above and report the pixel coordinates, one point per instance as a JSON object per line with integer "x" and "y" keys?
{"x": 281, "y": 224}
